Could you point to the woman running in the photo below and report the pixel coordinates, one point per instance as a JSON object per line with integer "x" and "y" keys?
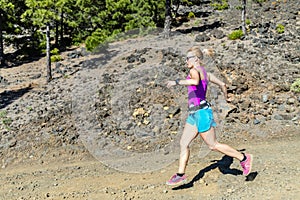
{"x": 200, "y": 119}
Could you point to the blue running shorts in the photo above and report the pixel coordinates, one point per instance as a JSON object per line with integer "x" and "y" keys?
{"x": 203, "y": 119}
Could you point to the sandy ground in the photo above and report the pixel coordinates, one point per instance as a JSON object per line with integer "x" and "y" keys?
{"x": 274, "y": 176}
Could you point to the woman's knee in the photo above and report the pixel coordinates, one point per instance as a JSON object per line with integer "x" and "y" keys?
{"x": 184, "y": 145}
{"x": 214, "y": 146}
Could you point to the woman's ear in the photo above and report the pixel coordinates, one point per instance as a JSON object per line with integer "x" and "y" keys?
{"x": 197, "y": 59}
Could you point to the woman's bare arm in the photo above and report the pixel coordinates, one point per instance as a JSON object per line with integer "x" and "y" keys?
{"x": 212, "y": 78}
{"x": 194, "y": 80}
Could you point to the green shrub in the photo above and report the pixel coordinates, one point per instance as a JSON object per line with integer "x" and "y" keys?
{"x": 295, "y": 87}
{"x": 30, "y": 108}
{"x": 42, "y": 46}
{"x": 41, "y": 41}
{"x": 55, "y": 51}
{"x": 220, "y": 6}
{"x": 183, "y": 2}
{"x": 6, "y": 121}
{"x": 3, "y": 114}
{"x": 260, "y": 1}
{"x": 66, "y": 76}
{"x": 248, "y": 22}
{"x": 191, "y": 15}
{"x": 235, "y": 35}
{"x": 56, "y": 58}
{"x": 96, "y": 39}
{"x": 280, "y": 28}
{"x": 197, "y": 22}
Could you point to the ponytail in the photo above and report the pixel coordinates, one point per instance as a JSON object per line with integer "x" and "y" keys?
{"x": 208, "y": 52}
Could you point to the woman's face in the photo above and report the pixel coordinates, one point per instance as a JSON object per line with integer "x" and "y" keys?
{"x": 190, "y": 59}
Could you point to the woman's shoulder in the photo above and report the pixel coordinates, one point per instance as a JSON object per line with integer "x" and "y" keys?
{"x": 194, "y": 71}
{"x": 201, "y": 71}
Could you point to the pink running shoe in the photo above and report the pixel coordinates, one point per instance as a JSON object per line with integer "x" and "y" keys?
{"x": 247, "y": 164}
{"x": 175, "y": 180}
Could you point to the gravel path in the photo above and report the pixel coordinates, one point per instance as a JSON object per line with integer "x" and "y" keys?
{"x": 274, "y": 176}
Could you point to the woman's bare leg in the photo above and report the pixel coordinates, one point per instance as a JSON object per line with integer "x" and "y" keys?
{"x": 209, "y": 138}
{"x": 190, "y": 132}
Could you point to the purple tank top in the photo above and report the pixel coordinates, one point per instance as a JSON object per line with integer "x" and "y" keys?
{"x": 197, "y": 93}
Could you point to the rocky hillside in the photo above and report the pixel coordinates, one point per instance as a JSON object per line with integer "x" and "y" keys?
{"x": 118, "y": 97}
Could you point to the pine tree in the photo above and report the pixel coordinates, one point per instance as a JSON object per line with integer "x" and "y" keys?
{"x": 147, "y": 13}
{"x": 6, "y": 13}
{"x": 86, "y": 18}
{"x": 123, "y": 15}
{"x": 41, "y": 14}
{"x": 63, "y": 10}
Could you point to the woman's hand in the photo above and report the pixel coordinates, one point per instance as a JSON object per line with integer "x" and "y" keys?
{"x": 221, "y": 84}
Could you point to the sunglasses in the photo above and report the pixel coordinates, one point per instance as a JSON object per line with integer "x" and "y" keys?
{"x": 189, "y": 57}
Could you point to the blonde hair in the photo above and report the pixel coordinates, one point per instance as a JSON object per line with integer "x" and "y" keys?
{"x": 196, "y": 50}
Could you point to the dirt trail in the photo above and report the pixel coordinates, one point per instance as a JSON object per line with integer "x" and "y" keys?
{"x": 276, "y": 164}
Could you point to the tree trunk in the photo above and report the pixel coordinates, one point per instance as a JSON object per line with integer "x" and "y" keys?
{"x": 32, "y": 41}
{"x": 167, "y": 26}
{"x": 62, "y": 43}
{"x": 2, "y": 61}
{"x": 56, "y": 33}
{"x": 49, "y": 75}
{"x": 244, "y": 17}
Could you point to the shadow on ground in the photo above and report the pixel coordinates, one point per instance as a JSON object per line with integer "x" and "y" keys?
{"x": 8, "y": 97}
{"x": 202, "y": 28}
{"x": 223, "y": 165}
